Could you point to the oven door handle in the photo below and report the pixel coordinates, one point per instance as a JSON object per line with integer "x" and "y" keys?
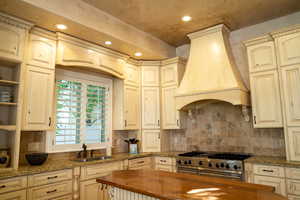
{"x": 218, "y": 170}
{"x": 220, "y": 175}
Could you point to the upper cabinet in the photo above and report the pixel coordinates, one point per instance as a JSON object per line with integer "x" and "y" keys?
{"x": 150, "y": 75}
{"x": 13, "y": 34}
{"x": 150, "y": 108}
{"x": 74, "y": 52}
{"x": 132, "y": 75}
{"x": 262, "y": 57}
{"x": 288, "y": 44}
{"x": 172, "y": 71}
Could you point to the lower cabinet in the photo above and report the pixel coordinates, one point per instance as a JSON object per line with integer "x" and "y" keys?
{"x": 277, "y": 183}
{"x": 140, "y": 163}
{"x": 291, "y": 197}
{"x": 91, "y": 190}
{"x": 17, "y": 195}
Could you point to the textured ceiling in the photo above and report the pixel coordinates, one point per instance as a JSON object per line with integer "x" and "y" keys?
{"x": 162, "y": 18}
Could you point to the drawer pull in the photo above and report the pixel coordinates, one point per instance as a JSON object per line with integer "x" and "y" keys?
{"x": 140, "y": 162}
{"x": 52, "y": 177}
{"x": 2, "y": 186}
{"x": 51, "y": 191}
{"x": 266, "y": 170}
{"x": 163, "y": 161}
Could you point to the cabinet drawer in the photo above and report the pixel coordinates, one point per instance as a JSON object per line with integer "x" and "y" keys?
{"x": 68, "y": 197}
{"x": 293, "y": 187}
{"x": 51, "y": 177}
{"x": 12, "y": 184}
{"x": 164, "y": 161}
{"x": 293, "y": 173}
{"x": 266, "y": 170}
{"x": 17, "y": 195}
{"x": 277, "y": 183}
{"x": 95, "y": 171}
{"x": 167, "y": 168}
{"x": 139, "y": 162}
{"x": 141, "y": 167}
{"x": 292, "y": 197}
{"x": 50, "y": 191}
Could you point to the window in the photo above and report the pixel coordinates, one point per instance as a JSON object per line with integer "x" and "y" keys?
{"x": 83, "y": 111}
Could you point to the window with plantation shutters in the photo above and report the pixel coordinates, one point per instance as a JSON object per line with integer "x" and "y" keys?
{"x": 83, "y": 111}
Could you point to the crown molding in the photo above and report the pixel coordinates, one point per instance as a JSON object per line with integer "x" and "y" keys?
{"x": 19, "y": 23}
{"x": 169, "y": 61}
{"x": 258, "y": 40}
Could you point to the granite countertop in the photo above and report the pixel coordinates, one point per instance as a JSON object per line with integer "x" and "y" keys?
{"x": 49, "y": 166}
{"x": 276, "y": 161}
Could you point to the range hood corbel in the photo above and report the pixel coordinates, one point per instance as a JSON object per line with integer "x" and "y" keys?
{"x": 211, "y": 73}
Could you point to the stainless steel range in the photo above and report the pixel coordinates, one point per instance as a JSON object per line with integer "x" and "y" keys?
{"x": 227, "y": 165}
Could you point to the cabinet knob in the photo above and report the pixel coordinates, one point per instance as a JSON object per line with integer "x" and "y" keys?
{"x": 50, "y": 121}
{"x": 254, "y": 118}
{"x": 158, "y": 122}
{"x": 125, "y": 123}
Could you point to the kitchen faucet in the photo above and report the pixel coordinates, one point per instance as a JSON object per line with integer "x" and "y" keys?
{"x": 84, "y": 152}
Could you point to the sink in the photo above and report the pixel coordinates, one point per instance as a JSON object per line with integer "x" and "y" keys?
{"x": 93, "y": 159}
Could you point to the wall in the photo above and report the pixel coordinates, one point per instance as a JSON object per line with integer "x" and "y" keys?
{"x": 222, "y": 127}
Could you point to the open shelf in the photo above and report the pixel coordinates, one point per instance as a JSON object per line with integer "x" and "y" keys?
{"x": 7, "y": 104}
{"x": 6, "y": 82}
{"x": 8, "y": 127}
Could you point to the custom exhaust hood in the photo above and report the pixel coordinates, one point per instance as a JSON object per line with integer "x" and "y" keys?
{"x": 211, "y": 73}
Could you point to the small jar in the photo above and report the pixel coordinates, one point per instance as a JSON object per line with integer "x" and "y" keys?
{"x": 4, "y": 158}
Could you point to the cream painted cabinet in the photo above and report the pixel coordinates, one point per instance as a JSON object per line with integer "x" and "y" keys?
{"x": 91, "y": 190}
{"x": 291, "y": 90}
{"x": 42, "y": 52}
{"x": 277, "y": 183}
{"x": 170, "y": 116}
{"x": 151, "y": 140}
{"x": 293, "y": 135}
{"x": 132, "y": 75}
{"x": 292, "y": 197}
{"x": 150, "y": 76}
{"x": 293, "y": 187}
{"x": 38, "y": 99}
{"x": 12, "y": 42}
{"x": 266, "y": 103}
{"x": 288, "y": 46}
{"x": 150, "y": 108}
{"x": 16, "y": 195}
{"x": 262, "y": 57}
{"x": 126, "y": 106}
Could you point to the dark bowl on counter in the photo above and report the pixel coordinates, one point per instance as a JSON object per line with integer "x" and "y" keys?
{"x": 36, "y": 158}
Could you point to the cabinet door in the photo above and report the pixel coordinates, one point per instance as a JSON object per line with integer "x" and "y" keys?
{"x": 170, "y": 116}
{"x": 12, "y": 42}
{"x": 150, "y": 109}
{"x": 293, "y": 187}
{"x": 262, "y": 57}
{"x": 292, "y": 197}
{"x": 91, "y": 190}
{"x": 294, "y": 143}
{"x": 131, "y": 107}
{"x": 288, "y": 47}
{"x": 42, "y": 52}
{"x": 291, "y": 90}
{"x": 278, "y": 183}
{"x": 150, "y": 76}
{"x": 169, "y": 75}
{"x": 151, "y": 140}
{"x": 16, "y": 195}
{"x": 266, "y": 103}
{"x": 38, "y": 99}
{"x": 132, "y": 76}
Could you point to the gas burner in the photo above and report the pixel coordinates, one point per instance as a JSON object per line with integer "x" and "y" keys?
{"x": 229, "y": 156}
{"x": 194, "y": 154}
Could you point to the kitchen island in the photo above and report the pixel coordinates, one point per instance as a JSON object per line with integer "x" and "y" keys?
{"x": 152, "y": 185}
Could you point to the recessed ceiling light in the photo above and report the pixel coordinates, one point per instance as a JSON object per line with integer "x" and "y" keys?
{"x": 108, "y": 42}
{"x": 61, "y": 26}
{"x": 186, "y": 18}
{"x": 138, "y": 54}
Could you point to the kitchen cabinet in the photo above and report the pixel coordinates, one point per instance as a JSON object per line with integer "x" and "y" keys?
{"x": 12, "y": 40}
{"x": 132, "y": 75}
{"x": 277, "y": 183}
{"x": 37, "y": 107}
{"x": 293, "y": 187}
{"x": 140, "y": 163}
{"x": 288, "y": 47}
{"x": 293, "y": 136}
{"x": 126, "y": 106}
{"x": 13, "y": 184}
{"x": 291, "y": 92}
{"x": 151, "y": 141}
{"x": 42, "y": 51}
{"x": 292, "y": 197}
{"x": 16, "y": 195}
{"x": 170, "y": 116}
{"x": 261, "y": 57}
{"x": 265, "y": 96}
{"x": 165, "y": 164}
{"x": 150, "y": 108}
{"x": 91, "y": 190}
{"x": 50, "y": 177}
{"x": 150, "y": 75}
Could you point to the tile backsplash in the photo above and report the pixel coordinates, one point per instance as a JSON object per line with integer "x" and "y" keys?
{"x": 221, "y": 127}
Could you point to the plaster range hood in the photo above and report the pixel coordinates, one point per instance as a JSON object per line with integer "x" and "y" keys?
{"x": 211, "y": 73}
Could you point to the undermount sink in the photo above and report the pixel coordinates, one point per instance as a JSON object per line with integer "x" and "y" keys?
{"x": 93, "y": 159}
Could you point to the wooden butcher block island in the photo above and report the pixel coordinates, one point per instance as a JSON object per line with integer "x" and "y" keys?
{"x": 150, "y": 184}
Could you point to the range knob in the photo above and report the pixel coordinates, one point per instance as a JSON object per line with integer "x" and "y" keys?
{"x": 222, "y": 165}
{"x": 190, "y": 162}
{"x": 227, "y": 166}
{"x": 185, "y": 162}
{"x": 217, "y": 165}
{"x": 179, "y": 161}
{"x": 200, "y": 163}
{"x": 209, "y": 164}
{"x": 235, "y": 167}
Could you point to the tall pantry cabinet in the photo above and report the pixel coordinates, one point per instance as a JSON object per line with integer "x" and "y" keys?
{"x": 274, "y": 65}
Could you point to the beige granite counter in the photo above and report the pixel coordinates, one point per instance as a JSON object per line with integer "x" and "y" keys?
{"x": 49, "y": 166}
{"x": 276, "y": 161}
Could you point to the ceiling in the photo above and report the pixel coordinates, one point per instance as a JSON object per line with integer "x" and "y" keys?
{"x": 162, "y": 18}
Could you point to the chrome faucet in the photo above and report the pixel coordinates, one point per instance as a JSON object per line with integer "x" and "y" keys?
{"x": 84, "y": 152}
